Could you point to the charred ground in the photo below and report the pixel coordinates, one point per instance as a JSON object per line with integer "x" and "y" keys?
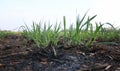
{"x": 17, "y": 53}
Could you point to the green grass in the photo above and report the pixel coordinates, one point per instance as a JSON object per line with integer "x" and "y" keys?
{"x": 42, "y": 36}
{"x": 109, "y": 34}
{"x": 5, "y": 33}
{"x": 83, "y": 33}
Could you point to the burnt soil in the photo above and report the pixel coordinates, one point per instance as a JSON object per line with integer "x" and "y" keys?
{"x": 18, "y": 53}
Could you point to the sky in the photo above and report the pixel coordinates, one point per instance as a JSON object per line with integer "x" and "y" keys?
{"x": 14, "y": 13}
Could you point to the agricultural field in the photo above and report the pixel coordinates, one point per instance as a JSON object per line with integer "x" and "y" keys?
{"x": 83, "y": 47}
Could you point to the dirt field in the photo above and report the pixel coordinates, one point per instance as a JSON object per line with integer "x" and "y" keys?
{"x": 17, "y": 53}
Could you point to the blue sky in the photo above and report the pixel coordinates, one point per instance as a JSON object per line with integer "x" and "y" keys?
{"x": 14, "y": 13}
